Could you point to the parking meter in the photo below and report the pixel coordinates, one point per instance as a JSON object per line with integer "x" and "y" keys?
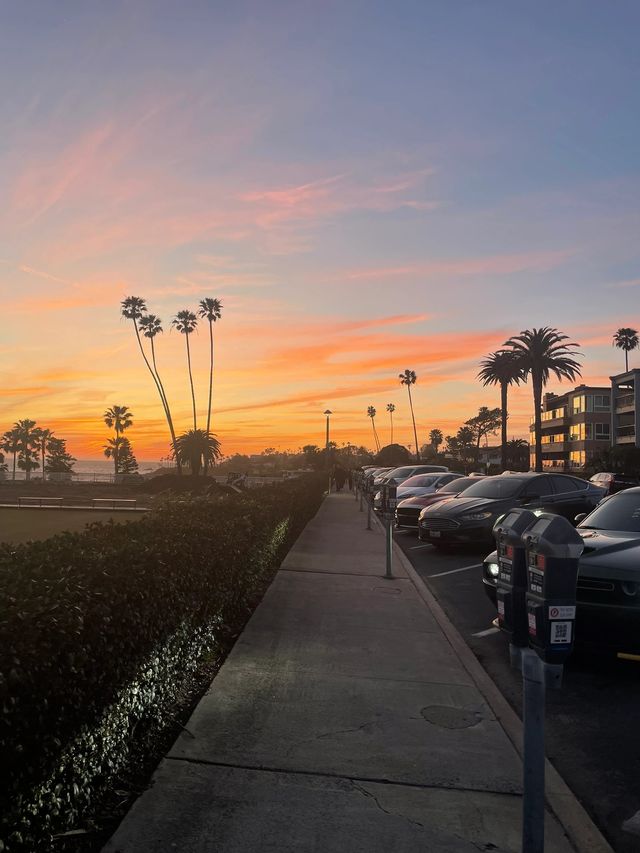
{"x": 511, "y": 591}
{"x": 389, "y": 500}
{"x": 553, "y": 550}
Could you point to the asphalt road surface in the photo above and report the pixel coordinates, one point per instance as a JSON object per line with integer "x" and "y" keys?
{"x": 592, "y": 723}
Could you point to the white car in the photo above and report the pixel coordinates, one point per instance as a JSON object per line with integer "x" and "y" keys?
{"x": 419, "y": 484}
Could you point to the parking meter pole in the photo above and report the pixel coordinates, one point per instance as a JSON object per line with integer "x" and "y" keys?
{"x": 389, "y": 543}
{"x": 533, "y": 680}
{"x": 369, "y": 513}
{"x": 361, "y": 505}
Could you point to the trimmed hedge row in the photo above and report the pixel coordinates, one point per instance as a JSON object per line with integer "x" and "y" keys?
{"x": 98, "y": 631}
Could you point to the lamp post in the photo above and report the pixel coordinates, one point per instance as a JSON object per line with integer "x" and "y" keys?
{"x": 327, "y": 413}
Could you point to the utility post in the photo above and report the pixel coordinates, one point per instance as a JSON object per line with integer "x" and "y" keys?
{"x": 327, "y": 414}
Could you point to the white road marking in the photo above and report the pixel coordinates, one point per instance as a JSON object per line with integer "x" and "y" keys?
{"x": 487, "y": 632}
{"x": 418, "y": 547}
{"x": 455, "y": 571}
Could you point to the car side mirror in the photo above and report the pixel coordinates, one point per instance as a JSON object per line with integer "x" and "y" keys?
{"x": 580, "y": 517}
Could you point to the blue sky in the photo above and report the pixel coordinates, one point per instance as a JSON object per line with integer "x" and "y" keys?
{"x": 445, "y": 173}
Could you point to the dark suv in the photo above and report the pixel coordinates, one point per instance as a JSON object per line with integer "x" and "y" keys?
{"x": 614, "y": 482}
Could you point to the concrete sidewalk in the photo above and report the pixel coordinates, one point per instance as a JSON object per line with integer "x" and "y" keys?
{"x": 343, "y": 720}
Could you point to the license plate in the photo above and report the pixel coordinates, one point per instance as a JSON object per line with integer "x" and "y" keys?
{"x": 434, "y": 534}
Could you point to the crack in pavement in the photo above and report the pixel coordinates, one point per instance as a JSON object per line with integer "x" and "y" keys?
{"x": 373, "y": 797}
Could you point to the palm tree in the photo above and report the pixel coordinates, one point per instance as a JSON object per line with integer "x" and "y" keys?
{"x": 43, "y": 437}
{"x": 435, "y": 439}
{"x": 185, "y": 322}
{"x": 10, "y": 445}
{"x": 26, "y": 436}
{"x": 626, "y": 339}
{"x": 211, "y": 310}
{"x": 151, "y": 325}
{"x": 502, "y": 368}
{"x": 391, "y": 409}
{"x": 542, "y": 352}
{"x": 409, "y": 378}
{"x": 195, "y": 446}
{"x": 118, "y": 418}
{"x": 133, "y": 308}
{"x": 371, "y": 412}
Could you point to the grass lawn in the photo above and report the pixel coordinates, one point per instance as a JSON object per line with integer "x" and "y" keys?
{"x": 24, "y": 524}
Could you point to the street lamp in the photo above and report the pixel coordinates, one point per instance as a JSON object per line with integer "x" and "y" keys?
{"x": 328, "y": 412}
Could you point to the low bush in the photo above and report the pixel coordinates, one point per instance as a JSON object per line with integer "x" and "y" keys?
{"x": 98, "y": 630}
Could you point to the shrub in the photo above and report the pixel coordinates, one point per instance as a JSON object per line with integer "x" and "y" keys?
{"x": 99, "y": 629}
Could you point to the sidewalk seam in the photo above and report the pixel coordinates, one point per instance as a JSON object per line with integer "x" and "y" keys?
{"x": 372, "y": 780}
{"x": 581, "y": 831}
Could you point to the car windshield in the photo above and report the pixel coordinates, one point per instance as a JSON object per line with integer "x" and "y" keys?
{"x": 457, "y": 486}
{"x": 494, "y": 487}
{"x": 620, "y": 512}
{"x": 421, "y": 480}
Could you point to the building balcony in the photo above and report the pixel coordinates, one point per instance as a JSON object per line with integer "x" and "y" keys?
{"x": 625, "y": 403}
{"x": 556, "y": 447}
{"x": 625, "y": 435}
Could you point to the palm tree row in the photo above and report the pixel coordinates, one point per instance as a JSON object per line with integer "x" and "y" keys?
{"x": 534, "y": 353}
{"x": 134, "y": 308}
{"x": 408, "y": 378}
{"x": 34, "y": 447}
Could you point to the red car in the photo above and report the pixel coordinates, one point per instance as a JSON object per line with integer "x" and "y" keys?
{"x": 408, "y": 510}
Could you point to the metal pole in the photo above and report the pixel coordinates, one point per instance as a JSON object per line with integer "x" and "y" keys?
{"x": 389, "y": 534}
{"x": 533, "y": 680}
{"x": 361, "y": 506}
{"x": 368, "y": 512}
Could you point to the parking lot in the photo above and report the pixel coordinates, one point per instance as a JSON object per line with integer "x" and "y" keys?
{"x": 592, "y": 736}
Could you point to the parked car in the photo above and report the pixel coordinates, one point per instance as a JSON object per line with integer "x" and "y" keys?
{"x": 614, "y": 482}
{"x": 408, "y": 510}
{"x": 399, "y": 475}
{"x": 419, "y": 484}
{"x": 608, "y": 590}
{"x": 470, "y": 518}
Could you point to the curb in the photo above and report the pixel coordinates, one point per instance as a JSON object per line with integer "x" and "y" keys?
{"x": 581, "y": 831}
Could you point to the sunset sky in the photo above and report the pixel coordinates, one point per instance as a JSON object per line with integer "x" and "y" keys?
{"x": 367, "y": 187}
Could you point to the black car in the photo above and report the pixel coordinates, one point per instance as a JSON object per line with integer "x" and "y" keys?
{"x": 409, "y": 509}
{"x": 614, "y": 482}
{"x": 608, "y": 591}
{"x": 469, "y": 519}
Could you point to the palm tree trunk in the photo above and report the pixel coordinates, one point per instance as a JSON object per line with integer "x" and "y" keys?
{"x": 167, "y": 410}
{"x": 415, "y": 434}
{"x": 391, "y": 413}
{"x": 15, "y": 455}
{"x": 537, "y": 402}
{"x": 375, "y": 437}
{"x": 116, "y": 456}
{"x": 210, "y": 387}
{"x": 626, "y": 360}
{"x": 43, "y": 450}
{"x": 155, "y": 379}
{"x": 504, "y": 390}
{"x": 27, "y": 472}
{"x": 193, "y": 393}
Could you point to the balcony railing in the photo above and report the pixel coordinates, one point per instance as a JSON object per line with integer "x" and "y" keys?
{"x": 625, "y": 400}
{"x": 626, "y": 431}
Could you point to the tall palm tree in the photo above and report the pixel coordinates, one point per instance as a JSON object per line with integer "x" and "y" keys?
{"x": 409, "y": 378}
{"x": 185, "y": 322}
{"x": 371, "y": 412}
{"x": 196, "y": 446}
{"x": 435, "y": 439}
{"x": 210, "y": 310}
{"x": 391, "y": 409}
{"x": 26, "y": 436}
{"x": 626, "y": 339}
{"x": 43, "y": 437}
{"x": 502, "y": 368}
{"x": 10, "y": 444}
{"x": 542, "y": 352}
{"x": 118, "y": 418}
{"x": 132, "y": 308}
{"x": 151, "y": 325}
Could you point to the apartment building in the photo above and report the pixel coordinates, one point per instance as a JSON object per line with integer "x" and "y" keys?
{"x": 576, "y": 426}
{"x": 625, "y": 425}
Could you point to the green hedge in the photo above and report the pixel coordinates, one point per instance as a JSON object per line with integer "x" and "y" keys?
{"x": 98, "y": 631}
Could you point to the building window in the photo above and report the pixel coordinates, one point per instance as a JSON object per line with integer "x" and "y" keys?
{"x": 554, "y": 413}
{"x": 603, "y": 432}
{"x": 554, "y": 439}
{"x": 580, "y": 432}
{"x": 599, "y": 403}
{"x": 578, "y": 405}
{"x": 577, "y": 459}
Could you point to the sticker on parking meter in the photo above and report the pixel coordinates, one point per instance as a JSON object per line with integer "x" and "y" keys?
{"x": 562, "y": 612}
{"x": 501, "y": 609}
{"x": 532, "y": 624}
{"x": 561, "y": 632}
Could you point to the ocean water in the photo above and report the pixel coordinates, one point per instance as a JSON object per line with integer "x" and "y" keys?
{"x": 105, "y": 466}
